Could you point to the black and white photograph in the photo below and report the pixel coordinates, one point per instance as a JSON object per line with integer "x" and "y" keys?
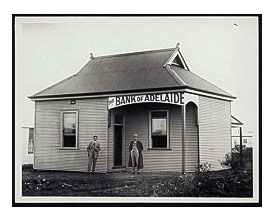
{"x": 137, "y": 109}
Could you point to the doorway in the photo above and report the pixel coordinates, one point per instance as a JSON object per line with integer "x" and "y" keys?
{"x": 119, "y": 140}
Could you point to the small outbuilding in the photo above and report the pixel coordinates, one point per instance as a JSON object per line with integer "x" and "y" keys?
{"x": 181, "y": 119}
{"x": 27, "y": 139}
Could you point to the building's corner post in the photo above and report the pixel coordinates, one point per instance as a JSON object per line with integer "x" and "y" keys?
{"x": 183, "y": 115}
{"x": 108, "y": 136}
{"x": 35, "y": 138}
{"x": 241, "y": 147}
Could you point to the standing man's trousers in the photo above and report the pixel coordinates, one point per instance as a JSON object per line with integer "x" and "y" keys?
{"x": 134, "y": 157}
{"x": 92, "y": 161}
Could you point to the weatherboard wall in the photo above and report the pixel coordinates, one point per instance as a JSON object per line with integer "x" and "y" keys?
{"x": 192, "y": 139}
{"x": 214, "y": 135}
{"x": 214, "y": 131}
{"x": 137, "y": 121}
{"x": 92, "y": 120}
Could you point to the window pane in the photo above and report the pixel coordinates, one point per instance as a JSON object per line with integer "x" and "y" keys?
{"x": 159, "y": 141}
{"x": 69, "y": 123}
{"x": 69, "y": 129}
{"x": 69, "y": 141}
{"x": 159, "y": 114}
{"x": 159, "y": 127}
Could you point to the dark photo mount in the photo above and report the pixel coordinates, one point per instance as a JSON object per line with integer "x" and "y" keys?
{"x": 160, "y": 117}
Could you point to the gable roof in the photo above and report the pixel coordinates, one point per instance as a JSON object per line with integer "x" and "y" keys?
{"x": 235, "y": 121}
{"x": 137, "y": 71}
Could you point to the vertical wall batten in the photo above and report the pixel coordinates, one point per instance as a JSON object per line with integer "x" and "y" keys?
{"x": 183, "y": 117}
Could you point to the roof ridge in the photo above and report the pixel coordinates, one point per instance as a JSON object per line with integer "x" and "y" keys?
{"x": 133, "y": 53}
{"x": 123, "y": 70}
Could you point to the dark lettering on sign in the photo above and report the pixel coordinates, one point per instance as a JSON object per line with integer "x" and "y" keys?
{"x": 122, "y": 101}
{"x": 181, "y": 99}
{"x": 167, "y": 98}
{"x": 174, "y": 98}
{"x": 157, "y": 97}
{"x": 117, "y": 101}
{"x": 128, "y": 99}
{"x": 133, "y": 99}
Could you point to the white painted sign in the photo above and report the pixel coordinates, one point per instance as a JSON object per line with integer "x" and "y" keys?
{"x": 171, "y": 98}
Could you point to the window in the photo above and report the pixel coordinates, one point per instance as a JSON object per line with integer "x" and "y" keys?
{"x": 31, "y": 141}
{"x": 69, "y": 129}
{"x": 159, "y": 130}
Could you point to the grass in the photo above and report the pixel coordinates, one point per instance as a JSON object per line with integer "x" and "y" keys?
{"x": 235, "y": 182}
{"x": 123, "y": 184}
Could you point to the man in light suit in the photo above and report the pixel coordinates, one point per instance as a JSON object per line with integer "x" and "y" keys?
{"x": 93, "y": 150}
{"x": 135, "y": 156}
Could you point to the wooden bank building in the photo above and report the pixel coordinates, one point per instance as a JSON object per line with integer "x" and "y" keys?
{"x": 181, "y": 119}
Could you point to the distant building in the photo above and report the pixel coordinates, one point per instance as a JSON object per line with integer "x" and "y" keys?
{"x": 27, "y": 145}
{"x": 247, "y": 140}
{"x": 181, "y": 119}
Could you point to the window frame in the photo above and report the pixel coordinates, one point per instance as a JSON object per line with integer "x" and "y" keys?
{"x": 61, "y": 130}
{"x": 31, "y": 142}
{"x": 167, "y": 130}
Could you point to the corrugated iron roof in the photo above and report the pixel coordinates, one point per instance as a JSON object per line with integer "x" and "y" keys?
{"x": 130, "y": 71}
{"x": 194, "y": 81}
{"x": 126, "y": 72}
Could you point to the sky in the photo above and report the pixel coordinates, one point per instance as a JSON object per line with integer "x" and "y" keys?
{"x": 223, "y": 50}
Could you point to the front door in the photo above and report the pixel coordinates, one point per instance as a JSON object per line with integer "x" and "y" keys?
{"x": 118, "y": 140}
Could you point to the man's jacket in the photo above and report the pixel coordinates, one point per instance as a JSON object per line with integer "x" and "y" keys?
{"x": 93, "y": 149}
{"x": 140, "y": 157}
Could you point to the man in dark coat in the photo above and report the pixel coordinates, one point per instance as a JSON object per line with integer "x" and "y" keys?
{"x": 135, "y": 158}
{"x": 93, "y": 149}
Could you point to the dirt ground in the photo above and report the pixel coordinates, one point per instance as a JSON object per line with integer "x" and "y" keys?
{"x": 223, "y": 183}
{"x": 57, "y": 183}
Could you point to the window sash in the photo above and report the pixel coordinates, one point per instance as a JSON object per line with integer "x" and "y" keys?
{"x": 74, "y": 130}
{"x": 156, "y": 125}
{"x": 151, "y": 134}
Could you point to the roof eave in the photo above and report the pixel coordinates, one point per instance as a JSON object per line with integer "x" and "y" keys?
{"x": 237, "y": 123}
{"x": 109, "y": 93}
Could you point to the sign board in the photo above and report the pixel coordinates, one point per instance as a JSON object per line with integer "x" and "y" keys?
{"x": 176, "y": 98}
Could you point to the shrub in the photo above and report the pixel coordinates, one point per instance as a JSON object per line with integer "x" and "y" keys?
{"x": 232, "y": 160}
{"x": 182, "y": 186}
{"x": 200, "y": 184}
{"x": 188, "y": 185}
{"x": 204, "y": 167}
